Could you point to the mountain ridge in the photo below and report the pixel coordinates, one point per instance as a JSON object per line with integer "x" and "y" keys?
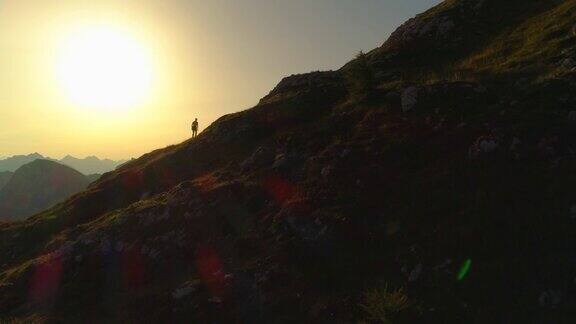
{"x": 448, "y": 197}
{"x": 88, "y": 165}
{"x": 36, "y": 186}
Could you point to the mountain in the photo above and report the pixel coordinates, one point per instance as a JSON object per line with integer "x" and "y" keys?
{"x": 427, "y": 181}
{"x": 91, "y": 164}
{"x": 87, "y": 166}
{"x": 4, "y": 177}
{"x": 93, "y": 177}
{"x": 14, "y": 162}
{"x": 36, "y": 186}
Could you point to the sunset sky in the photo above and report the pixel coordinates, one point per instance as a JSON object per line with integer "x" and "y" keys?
{"x": 117, "y": 79}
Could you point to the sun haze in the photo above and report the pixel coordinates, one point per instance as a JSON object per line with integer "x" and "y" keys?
{"x": 120, "y": 78}
{"x": 104, "y": 67}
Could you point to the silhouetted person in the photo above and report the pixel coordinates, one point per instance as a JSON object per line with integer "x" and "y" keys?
{"x": 195, "y": 127}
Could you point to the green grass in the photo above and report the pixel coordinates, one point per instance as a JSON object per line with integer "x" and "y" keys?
{"x": 527, "y": 48}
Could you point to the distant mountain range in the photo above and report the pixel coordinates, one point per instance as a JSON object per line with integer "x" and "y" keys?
{"x": 87, "y": 166}
{"x": 36, "y": 186}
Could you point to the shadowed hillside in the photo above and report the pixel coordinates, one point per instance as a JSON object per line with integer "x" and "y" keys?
{"x": 5, "y": 177}
{"x": 427, "y": 181}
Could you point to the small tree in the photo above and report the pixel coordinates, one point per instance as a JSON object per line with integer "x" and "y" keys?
{"x": 361, "y": 78}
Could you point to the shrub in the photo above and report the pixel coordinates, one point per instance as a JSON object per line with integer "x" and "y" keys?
{"x": 383, "y": 304}
{"x": 361, "y": 78}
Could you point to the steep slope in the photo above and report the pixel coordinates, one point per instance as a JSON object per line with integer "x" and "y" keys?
{"x": 433, "y": 200}
{"x": 36, "y": 186}
{"x": 5, "y": 177}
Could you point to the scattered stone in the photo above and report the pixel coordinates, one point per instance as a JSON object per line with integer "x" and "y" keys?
{"x": 326, "y": 171}
{"x": 105, "y": 246}
{"x": 483, "y": 145}
{"x": 154, "y": 253}
{"x": 410, "y": 98}
{"x": 215, "y": 300}
{"x": 182, "y": 292}
{"x": 444, "y": 265}
{"x": 550, "y": 298}
{"x": 415, "y": 273}
{"x": 119, "y": 247}
{"x": 263, "y": 156}
{"x": 573, "y": 212}
{"x": 515, "y": 144}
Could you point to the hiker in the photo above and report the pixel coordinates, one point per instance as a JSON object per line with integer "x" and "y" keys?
{"x": 195, "y": 127}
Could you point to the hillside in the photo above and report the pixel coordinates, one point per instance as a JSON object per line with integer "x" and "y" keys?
{"x": 428, "y": 181}
{"x": 4, "y": 178}
{"x": 36, "y": 186}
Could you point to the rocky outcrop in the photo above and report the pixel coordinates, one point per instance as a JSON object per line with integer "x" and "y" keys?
{"x": 299, "y": 84}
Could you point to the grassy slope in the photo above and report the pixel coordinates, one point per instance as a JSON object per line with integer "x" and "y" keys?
{"x": 405, "y": 194}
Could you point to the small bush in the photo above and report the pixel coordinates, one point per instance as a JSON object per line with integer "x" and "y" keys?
{"x": 383, "y": 304}
{"x": 361, "y": 78}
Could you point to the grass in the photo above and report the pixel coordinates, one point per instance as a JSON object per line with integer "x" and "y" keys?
{"x": 527, "y": 48}
{"x": 384, "y": 304}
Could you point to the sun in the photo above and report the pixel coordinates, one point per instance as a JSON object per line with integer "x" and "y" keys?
{"x": 105, "y": 68}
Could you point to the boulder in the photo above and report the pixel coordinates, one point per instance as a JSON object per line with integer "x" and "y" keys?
{"x": 409, "y": 98}
{"x": 262, "y": 157}
{"x": 483, "y": 145}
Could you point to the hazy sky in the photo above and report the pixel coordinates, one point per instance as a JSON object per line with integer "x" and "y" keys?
{"x": 204, "y": 58}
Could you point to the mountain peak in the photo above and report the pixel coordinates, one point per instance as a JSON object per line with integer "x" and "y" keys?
{"x": 38, "y": 185}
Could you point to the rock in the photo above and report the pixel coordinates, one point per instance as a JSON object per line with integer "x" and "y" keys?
{"x": 154, "y": 253}
{"x": 416, "y": 30}
{"x": 263, "y": 156}
{"x": 410, "y": 98}
{"x": 516, "y": 142}
{"x": 483, "y": 145}
{"x": 550, "y": 298}
{"x": 119, "y": 247}
{"x": 327, "y": 171}
{"x": 182, "y": 292}
{"x": 568, "y": 63}
{"x": 303, "y": 82}
{"x": 215, "y": 300}
{"x": 105, "y": 246}
{"x": 443, "y": 266}
{"x": 488, "y": 146}
{"x": 415, "y": 273}
{"x": 285, "y": 161}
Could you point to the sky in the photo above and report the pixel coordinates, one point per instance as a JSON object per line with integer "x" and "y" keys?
{"x": 117, "y": 79}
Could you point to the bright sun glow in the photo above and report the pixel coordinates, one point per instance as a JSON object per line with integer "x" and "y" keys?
{"x": 100, "y": 67}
